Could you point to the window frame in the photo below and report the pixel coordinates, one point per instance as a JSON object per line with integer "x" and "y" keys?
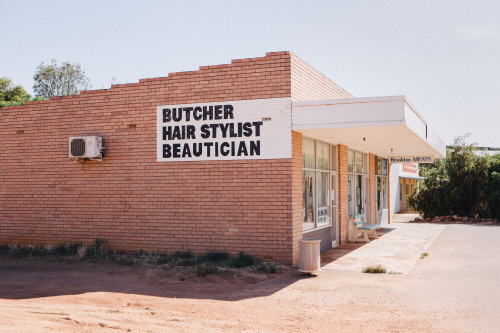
{"x": 383, "y": 181}
{"x": 353, "y": 179}
{"x": 317, "y": 172}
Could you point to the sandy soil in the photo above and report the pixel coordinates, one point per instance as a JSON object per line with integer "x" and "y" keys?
{"x": 451, "y": 290}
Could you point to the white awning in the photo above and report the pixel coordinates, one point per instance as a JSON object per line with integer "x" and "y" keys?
{"x": 384, "y": 126}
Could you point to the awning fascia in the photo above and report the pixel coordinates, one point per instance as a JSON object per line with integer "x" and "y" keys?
{"x": 385, "y": 126}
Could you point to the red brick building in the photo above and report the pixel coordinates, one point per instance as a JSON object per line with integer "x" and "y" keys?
{"x": 249, "y": 156}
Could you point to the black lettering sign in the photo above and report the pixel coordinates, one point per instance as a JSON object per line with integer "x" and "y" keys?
{"x": 233, "y": 134}
{"x": 167, "y": 115}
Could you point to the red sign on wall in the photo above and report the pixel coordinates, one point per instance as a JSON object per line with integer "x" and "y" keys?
{"x": 408, "y": 167}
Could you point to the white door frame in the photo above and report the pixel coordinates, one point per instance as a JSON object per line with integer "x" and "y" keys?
{"x": 334, "y": 206}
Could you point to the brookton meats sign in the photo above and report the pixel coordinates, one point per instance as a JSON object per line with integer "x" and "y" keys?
{"x": 253, "y": 129}
{"x": 411, "y": 159}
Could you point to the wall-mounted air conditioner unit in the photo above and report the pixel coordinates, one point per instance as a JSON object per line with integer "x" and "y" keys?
{"x": 85, "y": 148}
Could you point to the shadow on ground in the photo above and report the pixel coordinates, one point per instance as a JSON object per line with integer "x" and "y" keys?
{"x": 475, "y": 224}
{"x": 338, "y": 252}
{"x": 36, "y": 277}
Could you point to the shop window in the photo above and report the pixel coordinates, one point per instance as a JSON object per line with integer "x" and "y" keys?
{"x": 357, "y": 183}
{"x": 307, "y": 153}
{"x": 364, "y": 169}
{"x": 334, "y": 164}
{"x": 318, "y": 161}
{"x": 308, "y": 199}
{"x": 382, "y": 184}
{"x": 360, "y": 201}
{"x": 350, "y": 161}
{"x": 359, "y": 162}
{"x": 350, "y": 197}
{"x": 323, "y": 199}
{"x": 322, "y": 156}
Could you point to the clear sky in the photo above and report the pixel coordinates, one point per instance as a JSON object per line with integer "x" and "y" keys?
{"x": 443, "y": 55}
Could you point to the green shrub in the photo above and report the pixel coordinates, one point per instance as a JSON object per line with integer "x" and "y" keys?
{"x": 268, "y": 268}
{"x": 61, "y": 250}
{"x": 455, "y": 185}
{"x": 212, "y": 256}
{"x": 100, "y": 249}
{"x": 375, "y": 269}
{"x": 29, "y": 251}
{"x": 204, "y": 270}
{"x": 493, "y": 187}
{"x": 123, "y": 261}
{"x": 73, "y": 248}
{"x": 187, "y": 262}
{"x": 164, "y": 259}
{"x": 4, "y": 250}
{"x": 184, "y": 254}
{"x": 243, "y": 260}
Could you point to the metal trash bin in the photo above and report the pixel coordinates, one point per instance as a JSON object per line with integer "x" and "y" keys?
{"x": 309, "y": 255}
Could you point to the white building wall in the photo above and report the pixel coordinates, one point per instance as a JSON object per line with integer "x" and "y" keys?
{"x": 396, "y": 170}
{"x": 396, "y": 173}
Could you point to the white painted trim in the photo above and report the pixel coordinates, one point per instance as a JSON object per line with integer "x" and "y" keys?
{"x": 388, "y": 124}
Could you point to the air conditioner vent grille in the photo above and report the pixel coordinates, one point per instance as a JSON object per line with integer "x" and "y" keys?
{"x": 78, "y": 147}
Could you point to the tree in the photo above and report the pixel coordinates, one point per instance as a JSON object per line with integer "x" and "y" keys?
{"x": 12, "y": 95}
{"x": 455, "y": 185}
{"x": 53, "y": 80}
{"x": 493, "y": 186}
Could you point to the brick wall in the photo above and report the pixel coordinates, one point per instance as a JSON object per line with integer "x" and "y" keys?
{"x": 309, "y": 84}
{"x": 343, "y": 194}
{"x": 135, "y": 202}
{"x": 130, "y": 199}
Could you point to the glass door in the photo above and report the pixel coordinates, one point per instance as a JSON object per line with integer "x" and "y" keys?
{"x": 360, "y": 196}
{"x": 334, "y": 208}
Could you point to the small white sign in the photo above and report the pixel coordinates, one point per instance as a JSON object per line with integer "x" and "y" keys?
{"x": 228, "y": 130}
{"x": 411, "y": 159}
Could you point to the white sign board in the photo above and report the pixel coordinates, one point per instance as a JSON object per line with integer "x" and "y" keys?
{"x": 411, "y": 159}
{"x": 229, "y": 130}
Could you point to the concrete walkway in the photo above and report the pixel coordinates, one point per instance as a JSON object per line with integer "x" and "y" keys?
{"x": 398, "y": 249}
{"x": 404, "y": 217}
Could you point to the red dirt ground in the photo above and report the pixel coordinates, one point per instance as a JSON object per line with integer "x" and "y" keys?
{"x": 454, "y": 289}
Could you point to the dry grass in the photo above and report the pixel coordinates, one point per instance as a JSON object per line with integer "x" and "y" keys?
{"x": 375, "y": 269}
